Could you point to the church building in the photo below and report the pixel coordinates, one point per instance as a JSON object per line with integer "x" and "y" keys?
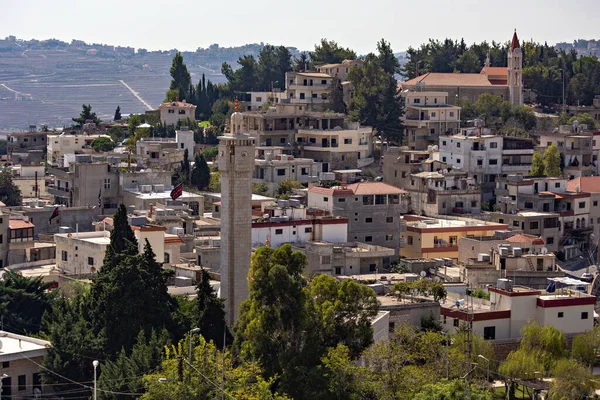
{"x": 506, "y": 82}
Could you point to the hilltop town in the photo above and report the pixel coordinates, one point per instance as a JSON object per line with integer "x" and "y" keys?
{"x": 306, "y": 226}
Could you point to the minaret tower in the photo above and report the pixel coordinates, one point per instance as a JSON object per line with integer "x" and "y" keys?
{"x": 235, "y": 161}
{"x": 515, "y": 72}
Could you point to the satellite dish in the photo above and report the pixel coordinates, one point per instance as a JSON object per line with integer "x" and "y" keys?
{"x": 37, "y": 393}
{"x": 544, "y": 250}
{"x": 423, "y": 274}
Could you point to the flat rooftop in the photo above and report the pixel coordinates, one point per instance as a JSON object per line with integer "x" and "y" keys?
{"x": 450, "y": 223}
{"x": 15, "y": 346}
{"x": 162, "y": 195}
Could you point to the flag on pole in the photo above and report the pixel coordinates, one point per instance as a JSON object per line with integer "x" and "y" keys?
{"x": 54, "y": 214}
{"x": 177, "y": 191}
{"x": 100, "y": 198}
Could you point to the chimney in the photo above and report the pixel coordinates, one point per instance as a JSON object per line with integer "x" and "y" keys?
{"x": 151, "y": 210}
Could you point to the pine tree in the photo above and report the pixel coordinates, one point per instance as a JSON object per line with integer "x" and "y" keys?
{"x": 200, "y": 173}
{"x": 86, "y": 115}
{"x": 185, "y": 168}
{"x": 117, "y": 116}
{"x": 210, "y": 313}
{"x": 181, "y": 78}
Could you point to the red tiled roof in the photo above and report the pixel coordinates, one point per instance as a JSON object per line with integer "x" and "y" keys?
{"x": 361, "y": 188}
{"x": 495, "y": 71}
{"x": 521, "y": 238}
{"x": 589, "y": 184}
{"x": 449, "y": 79}
{"x": 19, "y": 224}
{"x": 515, "y": 42}
{"x": 170, "y": 239}
{"x": 374, "y": 188}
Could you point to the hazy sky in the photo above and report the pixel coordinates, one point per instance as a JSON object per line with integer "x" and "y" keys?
{"x": 187, "y": 25}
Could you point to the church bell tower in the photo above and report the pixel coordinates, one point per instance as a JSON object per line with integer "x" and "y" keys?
{"x": 515, "y": 72}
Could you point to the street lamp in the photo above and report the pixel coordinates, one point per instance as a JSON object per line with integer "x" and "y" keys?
{"x": 488, "y": 366}
{"x": 195, "y": 330}
{"x": 95, "y": 363}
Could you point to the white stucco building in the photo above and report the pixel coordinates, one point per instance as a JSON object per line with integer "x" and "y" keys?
{"x": 174, "y": 111}
{"x": 83, "y": 253}
{"x": 511, "y": 308}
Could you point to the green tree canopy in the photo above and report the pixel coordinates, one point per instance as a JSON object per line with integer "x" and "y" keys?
{"x": 200, "y": 176}
{"x": 10, "y": 194}
{"x": 130, "y": 292}
{"x": 537, "y": 165}
{"x": 583, "y": 118}
{"x": 552, "y": 161}
{"x": 377, "y": 101}
{"x": 102, "y": 144}
{"x": 571, "y": 381}
{"x": 86, "y": 115}
{"x": 202, "y": 380}
{"x": 287, "y": 325}
{"x": 210, "y": 313}
{"x": 23, "y": 302}
{"x": 181, "y": 80}
{"x": 329, "y": 52}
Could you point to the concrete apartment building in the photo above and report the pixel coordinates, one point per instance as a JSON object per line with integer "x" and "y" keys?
{"x": 543, "y": 206}
{"x": 310, "y": 88}
{"x": 158, "y": 152}
{"x": 27, "y": 147}
{"x": 83, "y": 183}
{"x": 575, "y": 145}
{"x": 21, "y": 375}
{"x": 439, "y": 238}
{"x": 347, "y": 148}
{"x": 341, "y": 70}
{"x": 284, "y": 223}
{"x": 58, "y": 146}
{"x": 340, "y": 258}
{"x": 486, "y": 157}
{"x": 428, "y": 116}
{"x": 272, "y": 166}
{"x": 31, "y": 180}
{"x": 20, "y": 238}
{"x": 175, "y": 111}
{"x": 510, "y": 308}
{"x": 83, "y": 253}
{"x": 323, "y": 136}
{"x": 591, "y": 185}
{"x": 373, "y": 210}
{"x": 522, "y": 258}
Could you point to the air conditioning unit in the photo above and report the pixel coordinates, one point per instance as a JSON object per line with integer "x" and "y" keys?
{"x": 517, "y": 251}
{"x": 504, "y": 284}
{"x": 145, "y": 188}
{"x": 504, "y": 251}
{"x": 178, "y": 231}
{"x": 159, "y": 188}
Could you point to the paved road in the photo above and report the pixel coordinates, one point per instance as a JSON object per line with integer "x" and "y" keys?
{"x": 137, "y": 95}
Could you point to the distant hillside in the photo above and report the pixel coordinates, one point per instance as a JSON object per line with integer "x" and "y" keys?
{"x": 46, "y": 82}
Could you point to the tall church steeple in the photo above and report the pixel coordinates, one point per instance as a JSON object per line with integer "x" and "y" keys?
{"x": 515, "y": 72}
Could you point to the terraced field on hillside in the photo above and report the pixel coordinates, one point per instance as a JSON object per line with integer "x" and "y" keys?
{"x": 49, "y": 87}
